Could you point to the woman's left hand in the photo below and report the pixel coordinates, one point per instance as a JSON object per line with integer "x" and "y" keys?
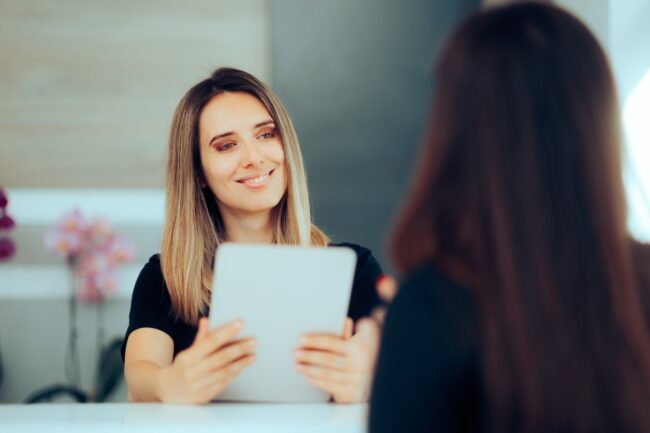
{"x": 341, "y": 365}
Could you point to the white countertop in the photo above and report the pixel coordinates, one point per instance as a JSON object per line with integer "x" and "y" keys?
{"x": 160, "y": 418}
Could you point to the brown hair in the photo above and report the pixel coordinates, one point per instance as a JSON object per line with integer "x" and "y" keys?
{"x": 519, "y": 196}
{"x": 193, "y": 227}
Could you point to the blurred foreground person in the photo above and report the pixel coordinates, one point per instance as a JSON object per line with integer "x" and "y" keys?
{"x": 524, "y": 303}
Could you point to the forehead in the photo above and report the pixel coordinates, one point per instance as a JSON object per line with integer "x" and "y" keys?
{"x": 230, "y": 111}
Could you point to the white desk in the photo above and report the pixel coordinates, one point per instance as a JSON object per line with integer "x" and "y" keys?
{"x": 159, "y": 418}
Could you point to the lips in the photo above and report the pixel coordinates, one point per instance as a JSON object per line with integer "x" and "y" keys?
{"x": 257, "y": 179}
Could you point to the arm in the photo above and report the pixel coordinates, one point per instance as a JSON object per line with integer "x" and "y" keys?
{"x": 196, "y": 375}
{"x": 148, "y": 351}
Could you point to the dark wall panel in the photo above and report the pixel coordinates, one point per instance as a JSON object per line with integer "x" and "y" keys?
{"x": 356, "y": 77}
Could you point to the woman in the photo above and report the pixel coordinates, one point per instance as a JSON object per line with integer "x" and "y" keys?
{"x": 524, "y": 305}
{"x": 234, "y": 173}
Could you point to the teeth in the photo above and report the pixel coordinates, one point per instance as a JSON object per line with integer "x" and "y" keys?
{"x": 257, "y": 180}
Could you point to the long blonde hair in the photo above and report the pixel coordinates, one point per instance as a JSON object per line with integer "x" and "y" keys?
{"x": 193, "y": 226}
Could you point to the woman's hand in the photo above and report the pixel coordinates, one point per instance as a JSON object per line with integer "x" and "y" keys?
{"x": 202, "y": 371}
{"x": 341, "y": 365}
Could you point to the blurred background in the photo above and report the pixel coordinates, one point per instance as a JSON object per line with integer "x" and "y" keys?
{"x": 88, "y": 89}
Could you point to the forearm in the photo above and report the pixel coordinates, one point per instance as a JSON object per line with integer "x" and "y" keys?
{"x": 144, "y": 379}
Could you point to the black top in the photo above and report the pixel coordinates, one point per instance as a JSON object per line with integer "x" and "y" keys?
{"x": 151, "y": 304}
{"x": 428, "y": 370}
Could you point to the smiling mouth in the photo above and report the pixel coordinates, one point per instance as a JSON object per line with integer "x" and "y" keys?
{"x": 256, "y": 181}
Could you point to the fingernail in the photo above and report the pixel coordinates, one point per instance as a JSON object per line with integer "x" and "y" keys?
{"x": 304, "y": 340}
{"x": 238, "y": 324}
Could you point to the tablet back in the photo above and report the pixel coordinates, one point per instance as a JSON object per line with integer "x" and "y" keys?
{"x": 281, "y": 292}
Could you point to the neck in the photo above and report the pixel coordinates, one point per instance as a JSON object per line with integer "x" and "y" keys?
{"x": 248, "y": 227}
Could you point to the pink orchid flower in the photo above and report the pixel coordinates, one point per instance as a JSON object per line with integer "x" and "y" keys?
{"x": 99, "y": 230}
{"x": 93, "y": 251}
{"x": 120, "y": 250}
{"x": 73, "y": 222}
{"x": 58, "y": 241}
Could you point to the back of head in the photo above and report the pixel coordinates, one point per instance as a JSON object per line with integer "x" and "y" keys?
{"x": 520, "y": 195}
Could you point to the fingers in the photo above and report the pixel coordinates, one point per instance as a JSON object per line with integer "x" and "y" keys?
{"x": 228, "y": 354}
{"x": 320, "y": 358}
{"x": 232, "y": 370}
{"x": 386, "y": 288}
{"x": 327, "y": 374}
{"x": 325, "y": 342}
{"x": 329, "y": 387}
{"x": 367, "y": 325}
{"x": 347, "y": 329}
{"x": 203, "y": 329}
{"x": 379, "y": 314}
{"x": 218, "y": 338}
{"x": 212, "y": 384}
{"x": 229, "y": 372}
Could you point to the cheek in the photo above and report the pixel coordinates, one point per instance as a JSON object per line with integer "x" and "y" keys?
{"x": 276, "y": 152}
{"x": 218, "y": 170}
{"x": 279, "y": 158}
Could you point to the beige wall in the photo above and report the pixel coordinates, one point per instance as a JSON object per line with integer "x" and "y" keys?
{"x": 87, "y": 89}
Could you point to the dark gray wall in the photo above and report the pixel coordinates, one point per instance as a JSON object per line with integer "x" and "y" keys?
{"x": 356, "y": 77}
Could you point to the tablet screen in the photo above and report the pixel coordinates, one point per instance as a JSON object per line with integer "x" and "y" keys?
{"x": 281, "y": 293}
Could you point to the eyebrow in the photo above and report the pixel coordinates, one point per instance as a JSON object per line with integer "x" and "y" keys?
{"x": 225, "y": 134}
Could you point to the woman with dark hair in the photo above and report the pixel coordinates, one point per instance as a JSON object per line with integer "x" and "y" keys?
{"x": 524, "y": 307}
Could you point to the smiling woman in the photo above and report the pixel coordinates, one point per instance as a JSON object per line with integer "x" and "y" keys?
{"x": 235, "y": 173}
{"x": 244, "y": 166}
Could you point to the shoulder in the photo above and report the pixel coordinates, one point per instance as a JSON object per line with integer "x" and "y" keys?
{"x": 153, "y": 263}
{"x": 150, "y": 282}
{"x": 429, "y": 357}
{"x": 432, "y": 302}
{"x": 364, "y": 297}
{"x": 358, "y": 249}
{"x": 367, "y": 269}
{"x": 432, "y": 288}
{"x": 152, "y": 268}
{"x": 364, "y": 255}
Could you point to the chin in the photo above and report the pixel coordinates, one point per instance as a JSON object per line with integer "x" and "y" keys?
{"x": 262, "y": 205}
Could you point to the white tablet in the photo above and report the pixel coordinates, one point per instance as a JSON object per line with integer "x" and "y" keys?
{"x": 281, "y": 293}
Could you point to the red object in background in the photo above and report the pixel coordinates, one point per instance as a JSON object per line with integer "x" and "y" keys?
{"x": 7, "y": 245}
{"x": 6, "y": 222}
{"x": 7, "y": 248}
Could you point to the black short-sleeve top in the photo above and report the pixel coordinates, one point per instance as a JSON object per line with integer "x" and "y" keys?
{"x": 151, "y": 305}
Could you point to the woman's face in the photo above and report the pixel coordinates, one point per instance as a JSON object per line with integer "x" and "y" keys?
{"x": 241, "y": 153}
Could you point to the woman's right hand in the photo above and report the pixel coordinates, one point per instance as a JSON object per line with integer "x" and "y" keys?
{"x": 202, "y": 371}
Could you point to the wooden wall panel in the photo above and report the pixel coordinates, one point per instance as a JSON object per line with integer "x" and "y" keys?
{"x": 87, "y": 89}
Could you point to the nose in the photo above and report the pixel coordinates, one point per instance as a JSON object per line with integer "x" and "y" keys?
{"x": 252, "y": 156}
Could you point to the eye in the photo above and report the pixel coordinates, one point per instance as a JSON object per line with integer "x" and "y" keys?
{"x": 226, "y": 146}
{"x": 267, "y": 134}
